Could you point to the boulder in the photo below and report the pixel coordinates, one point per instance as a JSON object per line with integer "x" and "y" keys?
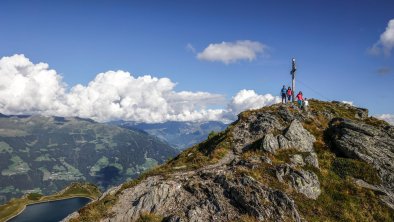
{"x": 312, "y": 160}
{"x": 253, "y": 128}
{"x": 284, "y": 143}
{"x": 297, "y": 160}
{"x": 298, "y": 138}
{"x": 373, "y": 145}
{"x": 302, "y": 181}
{"x": 270, "y": 143}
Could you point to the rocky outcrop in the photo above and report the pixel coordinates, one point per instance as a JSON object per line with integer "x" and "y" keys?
{"x": 312, "y": 160}
{"x": 297, "y": 137}
{"x": 254, "y": 127}
{"x": 373, "y": 145}
{"x": 302, "y": 181}
{"x": 270, "y": 143}
{"x": 297, "y": 160}
{"x": 206, "y": 196}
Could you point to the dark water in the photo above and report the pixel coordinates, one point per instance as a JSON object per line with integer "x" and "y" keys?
{"x": 50, "y": 211}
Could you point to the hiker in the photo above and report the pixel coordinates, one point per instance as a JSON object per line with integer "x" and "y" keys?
{"x": 289, "y": 94}
{"x": 306, "y": 104}
{"x": 300, "y": 99}
{"x": 283, "y": 92}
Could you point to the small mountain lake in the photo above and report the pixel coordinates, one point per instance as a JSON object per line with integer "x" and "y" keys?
{"x": 50, "y": 211}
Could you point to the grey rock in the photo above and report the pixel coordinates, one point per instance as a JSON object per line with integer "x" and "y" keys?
{"x": 312, "y": 160}
{"x": 285, "y": 113}
{"x": 361, "y": 113}
{"x": 173, "y": 218}
{"x": 209, "y": 196}
{"x": 302, "y": 181}
{"x": 297, "y": 160}
{"x": 371, "y": 144}
{"x": 284, "y": 143}
{"x": 250, "y": 194}
{"x": 110, "y": 191}
{"x": 299, "y": 138}
{"x": 267, "y": 160}
{"x": 255, "y": 127}
{"x": 270, "y": 143}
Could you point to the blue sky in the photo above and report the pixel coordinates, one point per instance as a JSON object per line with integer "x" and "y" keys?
{"x": 329, "y": 39}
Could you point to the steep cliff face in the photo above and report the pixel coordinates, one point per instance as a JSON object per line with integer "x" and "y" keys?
{"x": 331, "y": 162}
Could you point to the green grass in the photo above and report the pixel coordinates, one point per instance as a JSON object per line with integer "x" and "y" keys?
{"x": 345, "y": 167}
{"x": 149, "y": 217}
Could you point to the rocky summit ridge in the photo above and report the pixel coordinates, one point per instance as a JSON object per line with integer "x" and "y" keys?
{"x": 332, "y": 162}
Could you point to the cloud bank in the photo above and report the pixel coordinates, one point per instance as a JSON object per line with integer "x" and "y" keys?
{"x": 229, "y": 52}
{"x": 386, "y": 41}
{"x": 27, "y": 88}
{"x": 387, "y": 117}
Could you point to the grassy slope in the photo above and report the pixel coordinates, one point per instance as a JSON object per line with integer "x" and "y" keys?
{"x": 340, "y": 200}
{"x": 15, "y": 206}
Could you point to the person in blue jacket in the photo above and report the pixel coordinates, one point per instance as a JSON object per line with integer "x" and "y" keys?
{"x": 283, "y": 93}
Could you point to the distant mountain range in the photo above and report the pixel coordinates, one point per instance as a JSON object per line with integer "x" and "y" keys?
{"x": 180, "y": 135}
{"x": 44, "y": 154}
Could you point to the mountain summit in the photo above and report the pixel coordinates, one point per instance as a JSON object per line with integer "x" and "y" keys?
{"x": 278, "y": 163}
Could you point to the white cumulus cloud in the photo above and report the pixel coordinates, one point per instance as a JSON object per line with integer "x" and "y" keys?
{"x": 386, "y": 41}
{"x": 229, "y": 52}
{"x": 249, "y": 99}
{"x": 386, "y": 117}
{"x": 28, "y": 88}
{"x": 348, "y": 102}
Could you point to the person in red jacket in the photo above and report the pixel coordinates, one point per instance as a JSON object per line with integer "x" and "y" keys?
{"x": 300, "y": 98}
{"x": 289, "y": 94}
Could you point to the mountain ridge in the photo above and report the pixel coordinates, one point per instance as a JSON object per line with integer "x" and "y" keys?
{"x": 277, "y": 163}
{"x": 50, "y": 152}
{"x": 178, "y": 134}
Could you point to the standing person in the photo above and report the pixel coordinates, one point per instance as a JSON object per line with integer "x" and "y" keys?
{"x": 300, "y": 99}
{"x": 289, "y": 94}
{"x": 283, "y": 92}
{"x": 306, "y": 104}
